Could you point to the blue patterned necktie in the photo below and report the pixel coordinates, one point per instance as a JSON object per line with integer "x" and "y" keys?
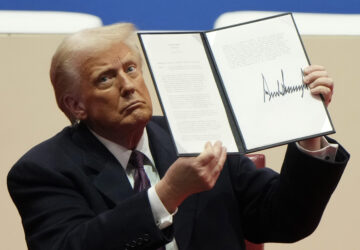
{"x": 141, "y": 181}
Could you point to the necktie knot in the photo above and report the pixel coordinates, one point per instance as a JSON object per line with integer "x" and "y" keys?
{"x": 137, "y": 159}
{"x": 141, "y": 181}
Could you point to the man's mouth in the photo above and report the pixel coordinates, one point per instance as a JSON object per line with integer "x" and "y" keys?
{"x": 133, "y": 105}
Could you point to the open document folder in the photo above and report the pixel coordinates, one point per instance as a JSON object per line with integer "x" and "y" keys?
{"x": 241, "y": 84}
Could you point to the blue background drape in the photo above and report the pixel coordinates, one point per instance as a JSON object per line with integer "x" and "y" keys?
{"x": 179, "y": 14}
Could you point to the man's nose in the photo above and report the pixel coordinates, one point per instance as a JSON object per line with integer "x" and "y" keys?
{"x": 127, "y": 87}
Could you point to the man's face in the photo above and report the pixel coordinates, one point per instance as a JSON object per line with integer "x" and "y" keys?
{"x": 113, "y": 92}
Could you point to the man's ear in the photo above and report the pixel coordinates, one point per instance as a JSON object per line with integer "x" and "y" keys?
{"x": 76, "y": 107}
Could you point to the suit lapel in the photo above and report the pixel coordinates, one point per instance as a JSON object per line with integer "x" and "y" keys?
{"x": 113, "y": 182}
{"x": 161, "y": 148}
{"x": 164, "y": 153}
{"x": 111, "y": 179}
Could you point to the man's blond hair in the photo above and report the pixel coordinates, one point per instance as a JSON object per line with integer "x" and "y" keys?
{"x": 76, "y": 48}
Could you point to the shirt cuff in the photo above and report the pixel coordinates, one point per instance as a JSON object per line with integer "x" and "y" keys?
{"x": 162, "y": 217}
{"x": 326, "y": 152}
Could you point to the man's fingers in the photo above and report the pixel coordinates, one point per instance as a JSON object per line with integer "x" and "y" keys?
{"x": 313, "y": 68}
{"x": 219, "y": 164}
{"x": 204, "y": 155}
{"x": 324, "y": 81}
{"x": 208, "y": 146}
{"x": 217, "y": 149}
{"x": 323, "y": 86}
{"x": 222, "y": 158}
{"x": 210, "y": 153}
{"x": 319, "y": 82}
{"x": 313, "y": 76}
{"x": 324, "y": 91}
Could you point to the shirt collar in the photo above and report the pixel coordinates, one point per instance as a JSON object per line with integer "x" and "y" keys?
{"x": 123, "y": 154}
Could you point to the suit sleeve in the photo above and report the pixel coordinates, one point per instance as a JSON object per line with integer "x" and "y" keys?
{"x": 285, "y": 207}
{"x": 56, "y": 215}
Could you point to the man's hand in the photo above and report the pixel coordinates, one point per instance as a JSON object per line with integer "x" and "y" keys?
{"x": 189, "y": 175}
{"x": 317, "y": 78}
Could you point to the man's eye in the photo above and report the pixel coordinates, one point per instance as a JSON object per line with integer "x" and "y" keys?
{"x": 131, "y": 68}
{"x": 104, "y": 79}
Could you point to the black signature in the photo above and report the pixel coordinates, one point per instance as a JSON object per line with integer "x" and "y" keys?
{"x": 282, "y": 88}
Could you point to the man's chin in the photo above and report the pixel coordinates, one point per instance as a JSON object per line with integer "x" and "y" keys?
{"x": 139, "y": 118}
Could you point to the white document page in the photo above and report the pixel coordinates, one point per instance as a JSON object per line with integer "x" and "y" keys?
{"x": 261, "y": 64}
{"x": 188, "y": 91}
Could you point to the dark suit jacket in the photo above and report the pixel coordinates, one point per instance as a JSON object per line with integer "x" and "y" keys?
{"x": 72, "y": 194}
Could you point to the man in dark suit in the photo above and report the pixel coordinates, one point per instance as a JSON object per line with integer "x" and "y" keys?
{"x": 81, "y": 189}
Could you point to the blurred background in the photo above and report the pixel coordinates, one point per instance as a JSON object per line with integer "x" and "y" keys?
{"x": 180, "y": 14}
